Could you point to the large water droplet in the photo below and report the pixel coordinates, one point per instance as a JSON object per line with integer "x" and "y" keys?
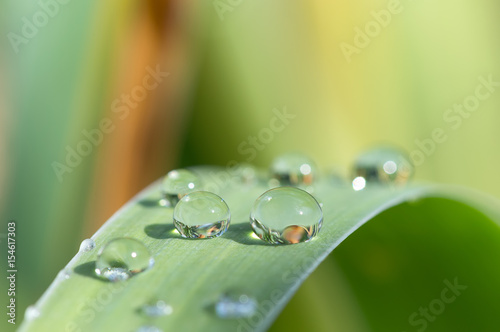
{"x": 122, "y": 258}
{"x": 31, "y": 313}
{"x": 235, "y": 305}
{"x": 201, "y": 215}
{"x": 87, "y": 245}
{"x": 286, "y": 215}
{"x": 178, "y": 183}
{"x": 384, "y": 165}
{"x": 293, "y": 169}
{"x": 156, "y": 309}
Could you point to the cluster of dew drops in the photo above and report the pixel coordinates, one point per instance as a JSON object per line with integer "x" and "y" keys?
{"x": 288, "y": 213}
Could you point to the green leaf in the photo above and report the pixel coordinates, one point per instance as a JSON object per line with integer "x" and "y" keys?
{"x": 392, "y": 265}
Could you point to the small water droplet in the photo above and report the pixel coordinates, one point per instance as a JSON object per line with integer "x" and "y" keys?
{"x": 293, "y": 169}
{"x": 233, "y": 305}
{"x": 87, "y": 245}
{"x": 149, "y": 328}
{"x": 201, "y": 215}
{"x": 122, "y": 258}
{"x": 178, "y": 183}
{"x": 383, "y": 165}
{"x": 65, "y": 273}
{"x": 390, "y": 167}
{"x": 31, "y": 313}
{"x": 246, "y": 174}
{"x": 286, "y": 215}
{"x": 156, "y": 309}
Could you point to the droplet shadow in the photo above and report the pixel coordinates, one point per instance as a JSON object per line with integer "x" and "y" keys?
{"x": 210, "y": 308}
{"x": 162, "y": 231}
{"x": 242, "y": 233}
{"x": 87, "y": 270}
{"x": 150, "y": 202}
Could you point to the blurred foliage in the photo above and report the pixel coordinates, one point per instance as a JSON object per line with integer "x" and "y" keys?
{"x": 391, "y": 274}
{"x": 226, "y": 77}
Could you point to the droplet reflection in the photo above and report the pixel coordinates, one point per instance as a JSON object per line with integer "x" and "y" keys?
{"x": 359, "y": 183}
{"x": 201, "y": 215}
{"x": 286, "y": 215}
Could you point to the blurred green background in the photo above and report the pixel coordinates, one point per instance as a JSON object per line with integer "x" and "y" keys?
{"x": 348, "y": 74}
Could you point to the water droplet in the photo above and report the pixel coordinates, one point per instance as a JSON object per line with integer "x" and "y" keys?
{"x": 178, "y": 183}
{"x": 87, "y": 245}
{"x": 293, "y": 169}
{"x": 235, "y": 305}
{"x": 246, "y": 174}
{"x": 122, "y": 258}
{"x": 149, "y": 329}
{"x": 201, "y": 215}
{"x": 156, "y": 309}
{"x": 65, "y": 274}
{"x": 31, "y": 313}
{"x": 286, "y": 215}
{"x": 383, "y": 166}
